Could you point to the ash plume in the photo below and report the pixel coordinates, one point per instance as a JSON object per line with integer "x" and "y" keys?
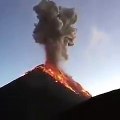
{"x": 54, "y": 29}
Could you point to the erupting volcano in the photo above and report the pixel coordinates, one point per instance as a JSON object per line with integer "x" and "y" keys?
{"x": 46, "y": 91}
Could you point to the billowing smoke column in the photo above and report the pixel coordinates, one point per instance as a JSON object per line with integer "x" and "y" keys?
{"x": 55, "y": 29}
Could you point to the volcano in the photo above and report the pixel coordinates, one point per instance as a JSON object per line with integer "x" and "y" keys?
{"x": 40, "y": 94}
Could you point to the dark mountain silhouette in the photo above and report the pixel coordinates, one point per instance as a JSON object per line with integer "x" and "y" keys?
{"x": 102, "y": 107}
{"x": 36, "y": 96}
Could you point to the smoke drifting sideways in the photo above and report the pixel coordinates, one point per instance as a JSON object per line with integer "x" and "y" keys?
{"x": 55, "y": 22}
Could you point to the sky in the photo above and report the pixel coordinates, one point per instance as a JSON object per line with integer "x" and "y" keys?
{"x": 94, "y": 61}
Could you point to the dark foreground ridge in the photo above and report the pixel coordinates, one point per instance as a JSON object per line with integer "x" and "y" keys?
{"x": 102, "y": 107}
{"x": 35, "y": 96}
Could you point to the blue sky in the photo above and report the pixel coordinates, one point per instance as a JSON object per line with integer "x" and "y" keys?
{"x": 94, "y": 60}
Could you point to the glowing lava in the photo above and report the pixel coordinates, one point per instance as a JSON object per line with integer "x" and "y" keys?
{"x": 61, "y": 77}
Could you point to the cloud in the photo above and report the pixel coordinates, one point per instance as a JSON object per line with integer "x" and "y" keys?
{"x": 97, "y": 44}
{"x": 98, "y": 38}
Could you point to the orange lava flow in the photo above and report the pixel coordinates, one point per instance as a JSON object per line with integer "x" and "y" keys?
{"x": 59, "y": 77}
{"x": 65, "y": 80}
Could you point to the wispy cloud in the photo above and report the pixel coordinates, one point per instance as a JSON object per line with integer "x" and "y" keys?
{"x": 97, "y": 38}
{"x": 97, "y": 44}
